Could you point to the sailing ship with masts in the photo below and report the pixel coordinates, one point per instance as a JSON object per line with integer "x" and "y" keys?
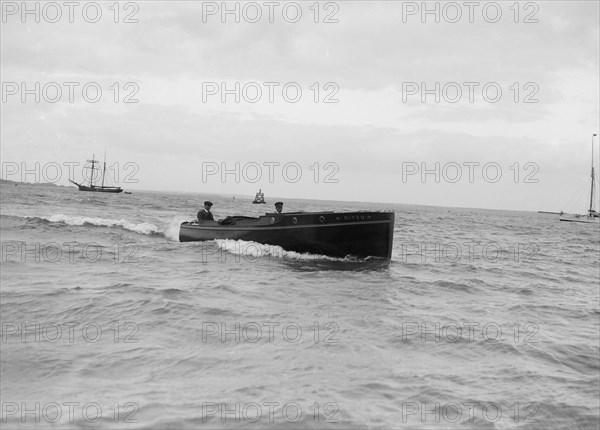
{"x": 95, "y": 165}
{"x": 592, "y": 215}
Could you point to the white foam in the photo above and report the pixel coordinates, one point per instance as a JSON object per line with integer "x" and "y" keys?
{"x": 141, "y": 228}
{"x": 172, "y": 230}
{"x": 260, "y": 250}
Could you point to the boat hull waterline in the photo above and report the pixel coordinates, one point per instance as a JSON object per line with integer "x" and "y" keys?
{"x": 582, "y": 219}
{"x": 337, "y": 234}
{"x": 98, "y": 189}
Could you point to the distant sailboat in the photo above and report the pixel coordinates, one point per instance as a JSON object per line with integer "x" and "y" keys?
{"x": 592, "y": 216}
{"x": 96, "y": 188}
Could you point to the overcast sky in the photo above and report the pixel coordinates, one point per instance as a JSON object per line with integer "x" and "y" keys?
{"x": 364, "y": 126}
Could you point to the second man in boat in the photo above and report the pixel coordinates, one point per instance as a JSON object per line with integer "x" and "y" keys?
{"x": 205, "y": 214}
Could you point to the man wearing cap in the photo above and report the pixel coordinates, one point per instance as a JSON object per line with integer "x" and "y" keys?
{"x": 279, "y": 207}
{"x": 205, "y": 214}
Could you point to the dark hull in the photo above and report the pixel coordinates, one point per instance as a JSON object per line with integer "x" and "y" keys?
{"x": 359, "y": 234}
{"x": 98, "y": 189}
{"x": 583, "y": 220}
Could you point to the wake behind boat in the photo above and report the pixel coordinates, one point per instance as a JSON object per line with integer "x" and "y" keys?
{"x": 337, "y": 234}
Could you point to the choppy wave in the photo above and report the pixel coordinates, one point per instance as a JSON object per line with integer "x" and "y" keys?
{"x": 141, "y": 228}
{"x": 366, "y": 339}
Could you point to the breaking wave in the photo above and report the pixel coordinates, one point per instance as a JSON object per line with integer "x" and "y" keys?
{"x": 140, "y": 228}
{"x": 172, "y": 230}
{"x": 257, "y": 250}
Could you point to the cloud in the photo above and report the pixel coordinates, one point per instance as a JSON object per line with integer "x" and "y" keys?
{"x": 369, "y": 56}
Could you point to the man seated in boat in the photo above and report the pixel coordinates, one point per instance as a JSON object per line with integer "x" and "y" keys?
{"x": 205, "y": 214}
{"x": 278, "y": 209}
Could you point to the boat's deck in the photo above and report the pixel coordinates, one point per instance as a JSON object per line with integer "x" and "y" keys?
{"x": 235, "y": 220}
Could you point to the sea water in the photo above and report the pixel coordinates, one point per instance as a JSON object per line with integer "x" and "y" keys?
{"x": 482, "y": 319}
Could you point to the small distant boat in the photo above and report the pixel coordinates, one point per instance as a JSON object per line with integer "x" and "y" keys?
{"x": 259, "y": 198}
{"x": 592, "y": 216}
{"x": 337, "y": 234}
{"x": 91, "y": 187}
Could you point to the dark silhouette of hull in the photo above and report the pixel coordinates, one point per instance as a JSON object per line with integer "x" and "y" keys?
{"x": 341, "y": 234}
{"x": 259, "y": 198}
{"x": 98, "y": 189}
{"x": 584, "y": 219}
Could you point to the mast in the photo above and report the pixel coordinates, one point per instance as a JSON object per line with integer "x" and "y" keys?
{"x": 104, "y": 167}
{"x": 592, "y": 187}
{"x": 92, "y": 176}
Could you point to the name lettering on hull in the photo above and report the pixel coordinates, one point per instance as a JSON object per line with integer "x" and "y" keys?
{"x": 353, "y": 218}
